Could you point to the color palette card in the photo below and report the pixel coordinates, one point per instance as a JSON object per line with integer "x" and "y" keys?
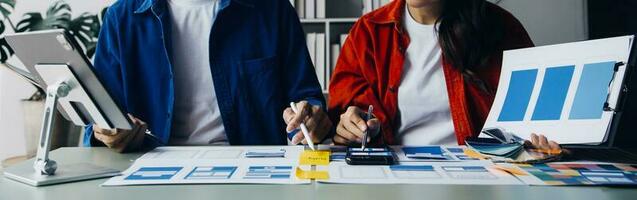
{"x": 581, "y": 174}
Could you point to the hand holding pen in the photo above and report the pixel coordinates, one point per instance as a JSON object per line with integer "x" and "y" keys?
{"x": 352, "y": 126}
{"x": 309, "y": 121}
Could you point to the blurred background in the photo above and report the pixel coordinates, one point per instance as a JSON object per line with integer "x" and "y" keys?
{"x": 547, "y": 21}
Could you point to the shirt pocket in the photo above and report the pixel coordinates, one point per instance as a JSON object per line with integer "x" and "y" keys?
{"x": 258, "y": 66}
{"x": 260, "y": 82}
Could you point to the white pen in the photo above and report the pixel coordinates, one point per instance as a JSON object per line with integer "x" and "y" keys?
{"x": 306, "y": 133}
{"x": 370, "y": 109}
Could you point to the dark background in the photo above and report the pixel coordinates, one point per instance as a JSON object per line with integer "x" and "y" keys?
{"x": 609, "y": 18}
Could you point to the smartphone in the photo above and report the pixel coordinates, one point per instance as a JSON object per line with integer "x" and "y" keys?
{"x": 369, "y": 156}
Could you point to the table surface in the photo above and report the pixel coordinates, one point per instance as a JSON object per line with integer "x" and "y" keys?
{"x": 10, "y": 189}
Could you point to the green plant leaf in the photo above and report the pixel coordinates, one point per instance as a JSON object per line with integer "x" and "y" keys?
{"x": 57, "y": 16}
{"x": 85, "y": 29}
{"x": 6, "y": 7}
{"x": 5, "y": 49}
{"x": 90, "y": 49}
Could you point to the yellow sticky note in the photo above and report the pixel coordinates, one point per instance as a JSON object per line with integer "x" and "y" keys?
{"x": 309, "y": 157}
{"x": 318, "y": 175}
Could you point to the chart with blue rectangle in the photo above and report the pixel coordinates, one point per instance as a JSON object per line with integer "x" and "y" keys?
{"x": 592, "y": 91}
{"x": 269, "y": 172}
{"x": 588, "y": 102}
{"x": 413, "y": 171}
{"x": 217, "y": 172}
{"x": 154, "y": 173}
{"x": 518, "y": 95}
{"x": 553, "y": 93}
{"x": 468, "y": 172}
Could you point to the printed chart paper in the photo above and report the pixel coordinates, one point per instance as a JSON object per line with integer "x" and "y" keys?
{"x": 580, "y": 174}
{"x": 465, "y": 173}
{"x": 441, "y": 153}
{"x": 207, "y": 165}
{"x": 560, "y": 90}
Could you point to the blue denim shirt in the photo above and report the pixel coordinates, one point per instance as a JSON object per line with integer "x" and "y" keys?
{"x": 258, "y": 60}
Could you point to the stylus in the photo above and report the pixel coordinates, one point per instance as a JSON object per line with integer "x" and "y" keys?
{"x": 370, "y": 109}
{"x": 306, "y": 133}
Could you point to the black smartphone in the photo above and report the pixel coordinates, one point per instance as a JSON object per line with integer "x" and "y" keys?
{"x": 369, "y": 156}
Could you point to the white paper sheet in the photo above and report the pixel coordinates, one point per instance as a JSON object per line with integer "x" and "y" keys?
{"x": 199, "y": 165}
{"x": 464, "y": 173}
{"x": 566, "y": 119}
{"x": 453, "y": 154}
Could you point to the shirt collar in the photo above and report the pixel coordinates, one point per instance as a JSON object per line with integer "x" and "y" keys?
{"x": 392, "y": 14}
{"x": 149, "y": 4}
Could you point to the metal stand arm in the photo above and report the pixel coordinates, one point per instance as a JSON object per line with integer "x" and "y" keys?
{"x": 42, "y": 162}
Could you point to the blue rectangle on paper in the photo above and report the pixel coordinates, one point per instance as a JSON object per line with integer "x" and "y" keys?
{"x": 268, "y": 172}
{"x": 211, "y": 173}
{"x": 455, "y": 150}
{"x": 555, "y": 86}
{"x": 411, "y": 168}
{"x": 154, "y": 173}
{"x": 435, "y": 150}
{"x": 592, "y": 91}
{"x": 464, "y": 169}
{"x": 518, "y": 95}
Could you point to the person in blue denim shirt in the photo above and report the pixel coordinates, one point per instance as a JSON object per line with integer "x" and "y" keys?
{"x": 207, "y": 72}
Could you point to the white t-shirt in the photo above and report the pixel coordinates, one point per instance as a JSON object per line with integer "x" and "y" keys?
{"x": 197, "y": 118}
{"x": 423, "y": 102}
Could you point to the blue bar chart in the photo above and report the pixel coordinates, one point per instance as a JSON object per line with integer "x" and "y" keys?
{"x": 566, "y": 92}
{"x": 587, "y": 103}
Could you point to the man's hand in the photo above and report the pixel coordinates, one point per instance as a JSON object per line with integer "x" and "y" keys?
{"x": 122, "y": 140}
{"x": 314, "y": 118}
{"x": 352, "y": 127}
{"x": 541, "y": 143}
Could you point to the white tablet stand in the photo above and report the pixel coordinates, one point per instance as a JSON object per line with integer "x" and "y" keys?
{"x": 63, "y": 89}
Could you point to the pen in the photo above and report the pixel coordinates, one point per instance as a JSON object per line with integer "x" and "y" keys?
{"x": 306, "y": 133}
{"x": 370, "y": 109}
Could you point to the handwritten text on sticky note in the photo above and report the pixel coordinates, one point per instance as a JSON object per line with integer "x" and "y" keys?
{"x": 309, "y": 157}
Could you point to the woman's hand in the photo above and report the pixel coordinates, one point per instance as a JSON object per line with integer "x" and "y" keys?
{"x": 122, "y": 140}
{"x": 541, "y": 143}
{"x": 351, "y": 128}
{"x": 316, "y": 121}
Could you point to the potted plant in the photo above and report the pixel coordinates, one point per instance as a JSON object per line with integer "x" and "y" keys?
{"x": 84, "y": 29}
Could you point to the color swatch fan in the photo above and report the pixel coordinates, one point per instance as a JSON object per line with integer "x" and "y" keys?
{"x": 566, "y": 92}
